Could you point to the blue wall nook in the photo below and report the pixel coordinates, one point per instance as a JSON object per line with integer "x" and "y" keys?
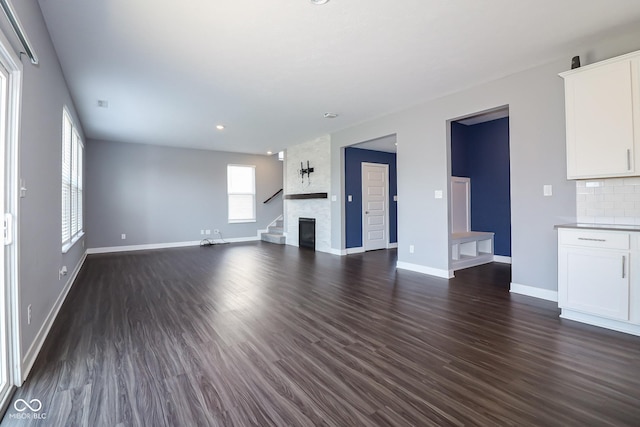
{"x": 353, "y": 158}
{"x": 481, "y": 152}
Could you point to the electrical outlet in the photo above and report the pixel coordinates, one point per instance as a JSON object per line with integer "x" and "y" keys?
{"x": 62, "y": 272}
{"x": 29, "y": 314}
{"x": 216, "y": 231}
{"x": 207, "y": 232}
{"x": 123, "y": 236}
{"x": 202, "y": 232}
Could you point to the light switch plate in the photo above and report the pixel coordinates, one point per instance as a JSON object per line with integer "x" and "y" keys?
{"x": 547, "y": 190}
{"x": 334, "y": 198}
{"x": 395, "y": 198}
{"x": 350, "y": 198}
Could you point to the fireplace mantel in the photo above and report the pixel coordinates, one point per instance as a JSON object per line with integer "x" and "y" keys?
{"x": 302, "y": 196}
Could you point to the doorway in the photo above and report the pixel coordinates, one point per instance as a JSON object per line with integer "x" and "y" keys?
{"x": 379, "y": 152}
{"x": 10, "y": 89}
{"x": 374, "y": 206}
{"x": 480, "y": 155}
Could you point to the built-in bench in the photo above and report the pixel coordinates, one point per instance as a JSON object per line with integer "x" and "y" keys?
{"x": 471, "y": 248}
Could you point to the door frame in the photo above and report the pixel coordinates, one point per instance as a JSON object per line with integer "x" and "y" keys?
{"x": 386, "y": 211}
{"x": 506, "y": 110}
{"x": 11, "y": 61}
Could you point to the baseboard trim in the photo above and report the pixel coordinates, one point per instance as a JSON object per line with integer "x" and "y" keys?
{"x": 532, "y": 291}
{"x": 114, "y": 249}
{"x": 445, "y": 274}
{"x": 338, "y": 252}
{"x": 392, "y": 246}
{"x": 30, "y": 357}
{"x": 614, "y": 325}
{"x": 350, "y": 251}
{"x": 502, "y": 259}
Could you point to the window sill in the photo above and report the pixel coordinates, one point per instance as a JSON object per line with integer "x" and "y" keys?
{"x": 241, "y": 221}
{"x": 67, "y": 246}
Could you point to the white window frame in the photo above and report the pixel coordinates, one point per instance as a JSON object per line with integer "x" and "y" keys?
{"x": 231, "y": 194}
{"x": 72, "y": 179}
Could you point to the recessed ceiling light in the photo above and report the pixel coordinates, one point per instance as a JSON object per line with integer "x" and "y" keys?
{"x": 220, "y": 127}
{"x": 319, "y": 1}
{"x": 269, "y": 152}
{"x": 330, "y": 115}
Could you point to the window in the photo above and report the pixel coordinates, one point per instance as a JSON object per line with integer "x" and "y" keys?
{"x": 72, "y": 153}
{"x": 241, "y": 189}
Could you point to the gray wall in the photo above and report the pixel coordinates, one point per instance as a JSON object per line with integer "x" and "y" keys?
{"x": 537, "y": 135}
{"x": 161, "y": 195}
{"x": 43, "y": 96}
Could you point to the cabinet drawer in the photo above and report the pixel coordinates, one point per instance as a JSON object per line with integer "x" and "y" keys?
{"x": 594, "y": 239}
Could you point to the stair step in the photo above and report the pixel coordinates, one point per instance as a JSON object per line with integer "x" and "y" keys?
{"x": 280, "y": 223}
{"x": 275, "y": 230}
{"x": 273, "y": 238}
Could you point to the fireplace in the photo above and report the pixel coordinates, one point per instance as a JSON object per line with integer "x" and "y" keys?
{"x": 307, "y": 233}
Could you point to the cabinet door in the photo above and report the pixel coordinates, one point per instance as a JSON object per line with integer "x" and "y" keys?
{"x": 594, "y": 281}
{"x": 600, "y": 134}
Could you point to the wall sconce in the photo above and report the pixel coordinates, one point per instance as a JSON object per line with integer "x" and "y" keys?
{"x": 306, "y": 171}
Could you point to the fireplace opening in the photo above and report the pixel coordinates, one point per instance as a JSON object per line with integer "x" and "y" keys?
{"x": 307, "y": 233}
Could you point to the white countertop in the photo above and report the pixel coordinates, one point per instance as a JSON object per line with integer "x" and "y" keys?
{"x": 591, "y": 226}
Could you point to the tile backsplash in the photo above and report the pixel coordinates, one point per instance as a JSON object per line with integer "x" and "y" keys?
{"x": 608, "y": 201}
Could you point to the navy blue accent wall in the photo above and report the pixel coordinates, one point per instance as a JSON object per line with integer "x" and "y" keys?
{"x": 481, "y": 152}
{"x": 353, "y": 158}
{"x": 458, "y": 150}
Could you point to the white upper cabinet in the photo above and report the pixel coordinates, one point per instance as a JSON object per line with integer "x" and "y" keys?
{"x": 602, "y": 104}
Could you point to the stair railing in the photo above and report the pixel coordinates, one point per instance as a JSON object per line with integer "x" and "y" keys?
{"x": 273, "y": 197}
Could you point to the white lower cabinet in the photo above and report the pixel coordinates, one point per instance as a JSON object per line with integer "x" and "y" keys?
{"x": 596, "y": 282}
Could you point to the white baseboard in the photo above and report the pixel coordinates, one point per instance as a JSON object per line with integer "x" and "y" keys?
{"x": 114, "y": 249}
{"x": 614, "y": 325}
{"x": 338, "y": 252}
{"x": 392, "y": 245}
{"x": 350, "y": 251}
{"x": 502, "y": 259}
{"x": 30, "y": 356}
{"x": 532, "y": 291}
{"x": 445, "y": 274}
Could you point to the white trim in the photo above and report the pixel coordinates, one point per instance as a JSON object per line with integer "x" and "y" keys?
{"x": 338, "y": 252}
{"x": 445, "y": 274}
{"x": 460, "y": 264}
{"x": 350, "y": 251}
{"x": 11, "y": 61}
{"x": 239, "y": 239}
{"x": 129, "y": 248}
{"x": 502, "y": 259}
{"x": 615, "y": 325}
{"x": 392, "y": 245}
{"x": 532, "y": 291}
{"x": 31, "y": 354}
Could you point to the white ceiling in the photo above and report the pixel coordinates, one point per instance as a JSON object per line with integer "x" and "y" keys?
{"x": 269, "y": 69}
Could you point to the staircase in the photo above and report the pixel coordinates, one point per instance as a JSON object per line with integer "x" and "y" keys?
{"x": 275, "y": 232}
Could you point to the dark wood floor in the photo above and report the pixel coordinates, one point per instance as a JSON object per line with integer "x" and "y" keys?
{"x": 268, "y": 335}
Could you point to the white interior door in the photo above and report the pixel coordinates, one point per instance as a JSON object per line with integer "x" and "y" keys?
{"x": 375, "y": 215}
